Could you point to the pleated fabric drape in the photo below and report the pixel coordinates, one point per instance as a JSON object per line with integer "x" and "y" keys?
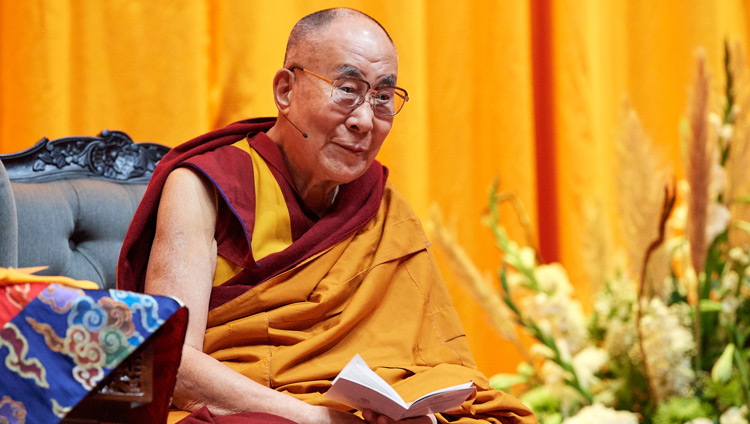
{"x": 530, "y": 91}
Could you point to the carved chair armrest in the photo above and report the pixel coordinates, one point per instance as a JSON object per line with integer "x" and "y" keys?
{"x": 129, "y": 386}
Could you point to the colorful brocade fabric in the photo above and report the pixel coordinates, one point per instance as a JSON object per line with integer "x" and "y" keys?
{"x": 65, "y": 341}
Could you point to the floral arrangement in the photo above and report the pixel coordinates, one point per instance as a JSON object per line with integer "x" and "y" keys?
{"x": 668, "y": 337}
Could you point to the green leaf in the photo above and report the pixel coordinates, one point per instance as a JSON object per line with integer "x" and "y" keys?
{"x": 707, "y": 305}
{"x": 722, "y": 369}
{"x": 681, "y": 410}
{"x": 525, "y": 369}
{"x": 729, "y": 393}
{"x": 742, "y": 225}
{"x": 714, "y": 263}
{"x": 505, "y": 381}
{"x": 555, "y": 418}
{"x": 541, "y": 401}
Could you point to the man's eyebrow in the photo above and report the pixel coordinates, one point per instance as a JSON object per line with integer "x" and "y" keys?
{"x": 351, "y": 71}
{"x": 390, "y": 80}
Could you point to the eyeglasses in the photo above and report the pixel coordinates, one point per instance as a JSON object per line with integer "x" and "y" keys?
{"x": 350, "y": 92}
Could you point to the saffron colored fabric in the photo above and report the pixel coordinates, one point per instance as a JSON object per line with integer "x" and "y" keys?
{"x": 377, "y": 293}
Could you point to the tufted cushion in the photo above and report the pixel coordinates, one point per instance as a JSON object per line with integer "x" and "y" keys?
{"x": 76, "y": 227}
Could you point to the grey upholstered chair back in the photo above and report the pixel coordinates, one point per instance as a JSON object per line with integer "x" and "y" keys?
{"x": 67, "y": 203}
{"x": 8, "y": 222}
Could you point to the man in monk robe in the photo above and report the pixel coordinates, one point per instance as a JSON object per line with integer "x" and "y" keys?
{"x": 293, "y": 253}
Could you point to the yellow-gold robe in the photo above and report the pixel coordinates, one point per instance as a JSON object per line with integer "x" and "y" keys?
{"x": 378, "y": 293}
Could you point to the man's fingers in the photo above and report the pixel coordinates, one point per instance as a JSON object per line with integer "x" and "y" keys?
{"x": 370, "y": 417}
{"x": 373, "y": 418}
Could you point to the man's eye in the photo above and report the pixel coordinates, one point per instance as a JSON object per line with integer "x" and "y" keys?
{"x": 383, "y": 96}
{"x": 348, "y": 87}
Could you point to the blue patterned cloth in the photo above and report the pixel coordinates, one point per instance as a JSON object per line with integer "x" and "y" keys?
{"x": 66, "y": 341}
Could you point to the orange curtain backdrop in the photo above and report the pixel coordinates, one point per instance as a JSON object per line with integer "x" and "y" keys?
{"x": 526, "y": 90}
{"x": 602, "y": 53}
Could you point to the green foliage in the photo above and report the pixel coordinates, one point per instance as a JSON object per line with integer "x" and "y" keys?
{"x": 631, "y": 393}
{"x": 505, "y": 382}
{"x": 596, "y": 331}
{"x": 682, "y": 410}
{"x": 724, "y": 394}
{"x": 544, "y": 404}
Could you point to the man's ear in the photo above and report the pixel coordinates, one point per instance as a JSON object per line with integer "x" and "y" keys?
{"x": 283, "y": 82}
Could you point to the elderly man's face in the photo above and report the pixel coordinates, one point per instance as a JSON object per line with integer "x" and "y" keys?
{"x": 343, "y": 141}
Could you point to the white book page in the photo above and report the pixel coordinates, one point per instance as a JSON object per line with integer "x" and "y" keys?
{"x": 360, "y": 387}
{"x": 469, "y": 385}
{"x": 440, "y": 400}
{"x": 357, "y": 371}
{"x": 362, "y": 397}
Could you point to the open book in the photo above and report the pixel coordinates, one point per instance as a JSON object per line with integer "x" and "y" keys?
{"x": 359, "y": 387}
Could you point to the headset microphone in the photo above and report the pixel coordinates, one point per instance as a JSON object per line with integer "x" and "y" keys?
{"x": 295, "y": 127}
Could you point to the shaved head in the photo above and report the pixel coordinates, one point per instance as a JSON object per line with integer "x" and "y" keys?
{"x": 307, "y": 32}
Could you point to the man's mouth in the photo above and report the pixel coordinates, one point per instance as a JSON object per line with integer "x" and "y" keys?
{"x": 353, "y": 149}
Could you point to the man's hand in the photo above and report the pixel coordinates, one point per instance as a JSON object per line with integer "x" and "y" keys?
{"x": 326, "y": 415}
{"x": 373, "y": 418}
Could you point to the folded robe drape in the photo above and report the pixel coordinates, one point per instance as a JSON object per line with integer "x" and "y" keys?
{"x": 378, "y": 293}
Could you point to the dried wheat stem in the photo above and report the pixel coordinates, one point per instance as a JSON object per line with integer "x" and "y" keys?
{"x": 699, "y": 167}
{"x": 669, "y": 201}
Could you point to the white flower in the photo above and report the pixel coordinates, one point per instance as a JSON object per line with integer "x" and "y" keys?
{"x": 718, "y": 219}
{"x": 729, "y": 281}
{"x": 733, "y": 415}
{"x": 614, "y": 307}
{"x": 701, "y": 421}
{"x": 528, "y": 257}
{"x": 726, "y": 132}
{"x": 668, "y": 343}
{"x": 554, "y": 311}
{"x": 518, "y": 257}
{"x": 729, "y": 305}
{"x": 620, "y": 338}
{"x": 554, "y": 377}
{"x": 515, "y": 280}
{"x": 539, "y": 350}
{"x": 722, "y": 129}
{"x": 718, "y": 182}
{"x": 553, "y": 279}
{"x": 587, "y": 362}
{"x": 715, "y": 120}
{"x": 739, "y": 255}
{"x": 599, "y": 414}
{"x": 559, "y": 316}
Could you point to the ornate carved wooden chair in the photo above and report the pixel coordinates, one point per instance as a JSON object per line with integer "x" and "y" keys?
{"x": 67, "y": 204}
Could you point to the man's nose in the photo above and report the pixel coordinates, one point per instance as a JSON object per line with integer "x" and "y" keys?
{"x": 361, "y": 119}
